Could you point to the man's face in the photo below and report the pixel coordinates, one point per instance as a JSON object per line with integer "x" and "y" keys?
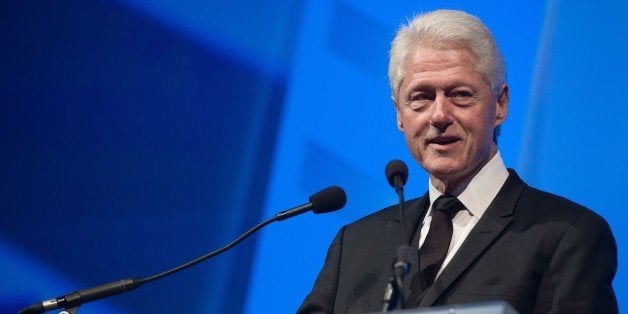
{"x": 448, "y": 113}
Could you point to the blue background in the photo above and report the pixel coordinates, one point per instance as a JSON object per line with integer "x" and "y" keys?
{"x": 136, "y": 135}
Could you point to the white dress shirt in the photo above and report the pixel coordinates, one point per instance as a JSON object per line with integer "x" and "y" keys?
{"x": 475, "y": 197}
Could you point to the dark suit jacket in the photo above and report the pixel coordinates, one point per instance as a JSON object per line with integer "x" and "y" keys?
{"x": 540, "y": 252}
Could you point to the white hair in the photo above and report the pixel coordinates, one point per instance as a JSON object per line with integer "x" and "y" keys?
{"x": 447, "y": 29}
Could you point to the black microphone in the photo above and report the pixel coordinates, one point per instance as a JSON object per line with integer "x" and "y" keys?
{"x": 397, "y": 175}
{"x": 327, "y": 200}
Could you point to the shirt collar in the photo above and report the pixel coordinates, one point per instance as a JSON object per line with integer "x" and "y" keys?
{"x": 482, "y": 189}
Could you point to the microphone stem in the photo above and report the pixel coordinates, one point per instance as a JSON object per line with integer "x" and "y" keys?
{"x": 398, "y": 185}
{"x": 210, "y": 254}
{"x": 393, "y": 296}
{"x": 400, "y": 272}
{"x": 404, "y": 234}
{"x": 75, "y": 299}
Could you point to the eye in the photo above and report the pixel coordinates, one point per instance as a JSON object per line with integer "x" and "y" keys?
{"x": 461, "y": 97}
{"x": 419, "y": 96}
{"x": 418, "y": 100}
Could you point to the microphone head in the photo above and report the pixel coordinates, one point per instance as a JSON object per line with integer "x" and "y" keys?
{"x": 395, "y": 168}
{"x": 328, "y": 200}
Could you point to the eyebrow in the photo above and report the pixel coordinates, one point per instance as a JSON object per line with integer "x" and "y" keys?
{"x": 449, "y": 86}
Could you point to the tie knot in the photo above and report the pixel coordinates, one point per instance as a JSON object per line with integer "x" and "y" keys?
{"x": 448, "y": 204}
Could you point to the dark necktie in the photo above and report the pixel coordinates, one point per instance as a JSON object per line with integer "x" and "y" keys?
{"x": 436, "y": 245}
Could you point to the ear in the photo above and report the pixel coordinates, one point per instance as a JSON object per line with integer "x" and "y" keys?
{"x": 501, "y": 104}
{"x": 398, "y": 114}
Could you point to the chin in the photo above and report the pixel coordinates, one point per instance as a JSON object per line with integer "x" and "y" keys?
{"x": 444, "y": 166}
{"x": 443, "y": 171}
{"x": 444, "y": 174}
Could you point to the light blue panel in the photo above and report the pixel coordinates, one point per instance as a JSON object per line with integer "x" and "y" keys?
{"x": 575, "y": 142}
{"x": 338, "y": 127}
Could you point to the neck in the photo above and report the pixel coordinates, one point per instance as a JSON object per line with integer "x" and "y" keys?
{"x": 455, "y": 184}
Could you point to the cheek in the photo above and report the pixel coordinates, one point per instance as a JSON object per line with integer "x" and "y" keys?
{"x": 414, "y": 133}
{"x": 412, "y": 122}
{"x": 479, "y": 137}
{"x": 482, "y": 124}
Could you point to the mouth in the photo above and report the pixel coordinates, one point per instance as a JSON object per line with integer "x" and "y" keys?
{"x": 443, "y": 141}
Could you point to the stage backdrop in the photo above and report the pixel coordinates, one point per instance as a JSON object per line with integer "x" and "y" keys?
{"x": 138, "y": 134}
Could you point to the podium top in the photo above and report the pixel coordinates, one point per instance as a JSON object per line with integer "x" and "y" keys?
{"x": 490, "y": 307}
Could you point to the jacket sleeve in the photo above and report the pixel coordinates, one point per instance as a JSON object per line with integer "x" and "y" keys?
{"x": 580, "y": 274}
{"x": 323, "y": 295}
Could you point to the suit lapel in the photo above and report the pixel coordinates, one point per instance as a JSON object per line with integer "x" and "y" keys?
{"x": 497, "y": 216}
{"x": 413, "y": 212}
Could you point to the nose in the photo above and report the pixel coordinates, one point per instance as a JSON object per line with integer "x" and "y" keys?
{"x": 441, "y": 116}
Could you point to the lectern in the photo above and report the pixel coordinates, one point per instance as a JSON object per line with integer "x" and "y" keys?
{"x": 489, "y": 307}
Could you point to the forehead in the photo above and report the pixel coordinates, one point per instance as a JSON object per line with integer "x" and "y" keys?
{"x": 439, "y": 65}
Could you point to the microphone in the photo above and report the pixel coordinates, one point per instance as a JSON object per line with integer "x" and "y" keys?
{"x": 397, "y": 175}
{"x": 327, "y": 200}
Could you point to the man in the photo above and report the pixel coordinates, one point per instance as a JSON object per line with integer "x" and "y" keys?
{"x": 505, "y": 240}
